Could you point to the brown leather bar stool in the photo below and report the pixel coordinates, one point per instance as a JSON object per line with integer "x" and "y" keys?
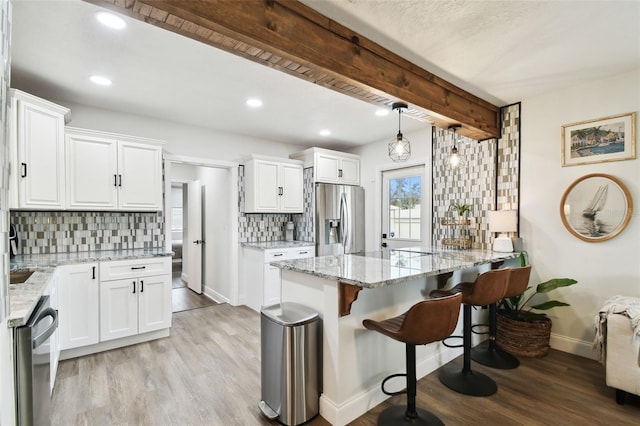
{"x": 488, "y": 288}
{"x": 425, "y": 322}
{"x": 489, "y": 354}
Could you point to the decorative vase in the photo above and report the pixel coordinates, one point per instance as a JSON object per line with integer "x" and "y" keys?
{"x": 523, "y": 338}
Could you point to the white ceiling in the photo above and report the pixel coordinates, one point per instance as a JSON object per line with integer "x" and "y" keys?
{"x": 502, "y": 51}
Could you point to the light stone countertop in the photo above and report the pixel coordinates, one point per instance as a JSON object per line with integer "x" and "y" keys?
{"x": 268, "y": 245}
{"x": 24, "y": 297}
{"x": 378, "y": 269}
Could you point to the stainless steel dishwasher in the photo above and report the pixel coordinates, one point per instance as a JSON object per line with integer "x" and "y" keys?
{"x": 33, "y": 364}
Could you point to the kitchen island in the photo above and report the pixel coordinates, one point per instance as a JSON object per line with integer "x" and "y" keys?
{"x": 356, "y": 360}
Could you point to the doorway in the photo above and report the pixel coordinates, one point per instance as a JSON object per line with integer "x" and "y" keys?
{"x": 404, "y": 208}
{"x": 207, "y": 229}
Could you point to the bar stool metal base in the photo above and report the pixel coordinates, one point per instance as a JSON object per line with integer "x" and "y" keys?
{"x": 397, "y": 415}
{"x": 468, "y": 382}
{"x": 493, "y": 357}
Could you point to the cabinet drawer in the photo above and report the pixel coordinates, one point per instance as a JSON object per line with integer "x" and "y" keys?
{"x": 134, "y": 268}
{"x": 275, "y": 255}
{"x": 301, "y": 252}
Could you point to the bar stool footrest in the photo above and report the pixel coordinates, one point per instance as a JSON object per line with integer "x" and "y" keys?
{"x": 397, "y": 415}
{"x": 448, "y": 345}
{"x": 473, "y": 329}
{"x": 393, "y": 376}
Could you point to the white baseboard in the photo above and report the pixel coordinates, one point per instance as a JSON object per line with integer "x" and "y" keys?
{"x": 340, "y": 415}
{"x": 215, "y": 296}
{"x": 113, "y": 344}
{"x": 184, "y": 277}
{"x": 573, "y": 346}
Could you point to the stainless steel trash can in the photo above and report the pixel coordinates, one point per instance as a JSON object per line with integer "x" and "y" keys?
{"x": 291, "y": 340}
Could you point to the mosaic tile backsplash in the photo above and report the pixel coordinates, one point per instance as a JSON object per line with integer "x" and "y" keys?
{"x": 64, "y": 232}
{"x": 479, "y": 182}
{"x": 256, "y": 227}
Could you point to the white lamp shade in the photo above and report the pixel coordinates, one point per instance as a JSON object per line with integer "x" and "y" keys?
{"x": 503, "y": 221}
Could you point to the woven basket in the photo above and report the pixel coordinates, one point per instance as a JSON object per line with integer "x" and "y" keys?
{"x": 523, "y": 338}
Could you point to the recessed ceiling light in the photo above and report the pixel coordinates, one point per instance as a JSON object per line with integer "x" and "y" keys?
{"x": 110, "y": 20}
{"x": 100, "y": 80}
{"x": 254, "y": 102}
{"x": 325, "y": 132}
{"x": 382, "y": 112}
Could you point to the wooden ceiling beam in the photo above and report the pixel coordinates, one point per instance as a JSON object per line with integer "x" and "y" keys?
{"x": 290, "y": 36}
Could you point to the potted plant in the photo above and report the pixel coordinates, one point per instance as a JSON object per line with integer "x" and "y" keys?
{"x": 522, "y": 331}
{"x": 462, "y": 209}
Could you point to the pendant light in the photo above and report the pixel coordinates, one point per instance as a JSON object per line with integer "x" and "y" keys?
{"x": 400, "y": 147}
{"x": 455, "y": 160}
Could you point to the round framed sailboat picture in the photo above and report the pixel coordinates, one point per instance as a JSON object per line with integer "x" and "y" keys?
{"x": 596, "y": 207}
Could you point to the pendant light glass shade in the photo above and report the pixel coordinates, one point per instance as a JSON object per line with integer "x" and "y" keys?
{"x": 455, "y": 160}
{"x": 400, "y": 147}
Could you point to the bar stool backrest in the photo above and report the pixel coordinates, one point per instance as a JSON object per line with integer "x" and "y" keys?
{"x": 430, "y": 320}
{"x": 488, "y": 288}
{"x": 518, "y": 281}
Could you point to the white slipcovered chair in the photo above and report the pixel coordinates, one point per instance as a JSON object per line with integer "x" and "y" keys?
{"x": 617, "y": 342}
{"x": 623, "y": 357}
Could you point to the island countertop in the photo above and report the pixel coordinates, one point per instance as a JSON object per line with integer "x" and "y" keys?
{"x": 391, "y": 266}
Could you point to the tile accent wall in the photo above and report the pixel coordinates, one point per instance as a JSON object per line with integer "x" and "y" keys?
{"x": 64, "y": 232}
{"x": 473, "y": 183}
{"x": 509, "y": 156}
{"x": 258, "y": 227}
{"x": 481, "y": 181}
{"x": 304, "y": 222}
{"x": 5, "y": 78}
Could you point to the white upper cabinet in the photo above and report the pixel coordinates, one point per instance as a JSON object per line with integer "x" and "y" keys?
{"x": 273, "y": 185}
{"x": 112, "y": 172}
{"x": 331, "y": 166}
{"x": 36, "y": 156}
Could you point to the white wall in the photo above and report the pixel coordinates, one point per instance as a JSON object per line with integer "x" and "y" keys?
{"x": 374, "y": 158}
{"x": 180, "y": 139}
{"x": 602, "y": 269}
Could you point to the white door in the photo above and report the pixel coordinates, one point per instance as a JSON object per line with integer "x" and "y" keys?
{"x": 139, "y": 176}
{"x": 154, "y": 303}
{"x": 92, "y": 172}
{"x": 267, "y": 192}
{"x": 194, "y": 236}
{"x": 78, "y": 293}
{"x": 118, "y": 309}
{"x": 326, "y": 168}
{"x": 404, "y": 205}
{"x": 350, "y": 171}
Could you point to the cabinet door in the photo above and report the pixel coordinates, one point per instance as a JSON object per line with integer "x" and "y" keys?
{"x": 350, "y": 171}
{"x": 265, "y": 186}
{"x": 326, "y": 168}
{"x": 78, "y": 293}
{"x": 271, "y": 285}
{"x": 154, "y": 303}
{"x": 54, "y": 341}
{"x": 118, "y": 309}
{"x": 92, "y": 172}
{"x": 40, "y": 167}
{"x": 139, "y": 176}
{"x": 291, "y": 182}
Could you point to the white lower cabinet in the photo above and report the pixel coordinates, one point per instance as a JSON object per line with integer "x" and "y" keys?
{"x": 137, "y": 304}
{"x": 53, "y": 343}
{"x": 261, "y": 280}
{"x": 78, "y": 292}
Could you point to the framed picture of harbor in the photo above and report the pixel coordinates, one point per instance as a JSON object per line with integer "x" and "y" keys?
{"x": 595, "y": 141}
{"x": 596, "y": 207}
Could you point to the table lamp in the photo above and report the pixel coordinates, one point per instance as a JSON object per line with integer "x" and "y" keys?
{"x": 503, "y": 221}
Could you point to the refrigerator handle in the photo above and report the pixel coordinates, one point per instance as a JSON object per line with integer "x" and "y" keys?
{"x": 344, "y": 222}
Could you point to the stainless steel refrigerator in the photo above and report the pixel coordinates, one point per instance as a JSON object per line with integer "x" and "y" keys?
{"x": 339, "y": 219}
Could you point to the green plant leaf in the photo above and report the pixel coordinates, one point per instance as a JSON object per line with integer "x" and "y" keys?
{"x": 548, "y": 305}
{"x": 554, "y": 283}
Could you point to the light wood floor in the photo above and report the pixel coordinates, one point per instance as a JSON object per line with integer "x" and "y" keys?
{"x": 182, "y": 298}
{"x": 208, "y": 373}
